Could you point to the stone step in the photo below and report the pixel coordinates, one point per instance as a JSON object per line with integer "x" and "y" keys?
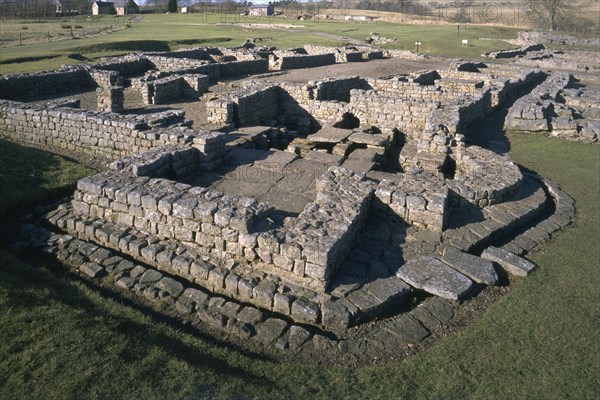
{"x": 510, "y": 262}
{"x": 433, "y": 276}
{"x": 476, "y": 268}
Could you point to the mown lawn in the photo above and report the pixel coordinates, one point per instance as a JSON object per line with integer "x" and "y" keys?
{"x": 63, "y": 339}
{"x": 156, "y": 32}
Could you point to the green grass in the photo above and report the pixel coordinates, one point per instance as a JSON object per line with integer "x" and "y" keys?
{"x": 169, "y": 32}
{"x": 28, "y": 177}
{"x": 62, "y": 339}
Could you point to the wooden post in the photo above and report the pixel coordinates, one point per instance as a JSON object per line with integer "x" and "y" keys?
{"x": 20, "y": 39}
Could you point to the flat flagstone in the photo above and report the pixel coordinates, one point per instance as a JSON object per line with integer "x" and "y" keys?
{"x": 358, "y": 165}
{"x": 325, "y": 158}
{"x": 433, "y": 276}
{"x": 368, "y": 139}
{"x": 510, "y": 262}
{"x": 329, "y": 134}
{"x": 406, "y": 329}
{"x": 478, "y": 269}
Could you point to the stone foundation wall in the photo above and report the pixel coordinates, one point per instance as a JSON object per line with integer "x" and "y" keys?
{"x": 390, "y": 111}
{"x": 32, "y": 86}
{"x": 100, "y": 134}
{"x": 544, "y": 111}
{"x": 243, "y": 67}
{"x": 483, "y": 178}
{"x": 300, "y": 61}
{"x": 411, "y": 201}
{"x": 165, "y": 63}
{"x": 174, "y": 87}
{"x": 222, "y": 225}
{"x": 251, "y": 107}
{"x": 337, "y": 88}
{"x": 342, "y": 54}
{"x": 127, "y": 66}
{"x": 543, "y": 37}
{"x": 110, "y": 99}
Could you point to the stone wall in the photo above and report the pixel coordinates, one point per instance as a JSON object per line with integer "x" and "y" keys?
{"x": 110, "y": 99}
{"x": 174, "y": 87}
{"x": 100, "y": 134}
{"x": 35, "y": 85}
{"x": 545, "y": 111}
{"x": 543, "y": 37}
{"x": 512, "y": 53}
{"x": 342, "y": 54}
{"x": 127, "y": 66}
{"x": 245, "y": 107}
{"x": 295, "y": 61}
{"x": 420, "y": 200}
{"x": 391, "y": 111}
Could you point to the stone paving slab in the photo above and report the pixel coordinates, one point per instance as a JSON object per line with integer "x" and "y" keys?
{"x": 239, "y": 156}
{"x": 478, "y": 269}
{"x": 433, "y": 276}
{"x": 325, "y": 158}
{"x": 369, "y": 139}
{"x": 329, "y": 134}
{"x": 512, "y": 263}
{"x": 359, "y": 165}
{"x": 368, "y": 154}
{"x": 276, "y": 160}
{"x": 407, "y": 329}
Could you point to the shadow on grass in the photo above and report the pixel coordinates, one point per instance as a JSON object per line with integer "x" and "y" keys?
{"x": 30, "y": 177}
{"x": 26, "y": 287}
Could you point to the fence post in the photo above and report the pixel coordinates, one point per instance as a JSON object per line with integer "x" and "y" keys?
{"x": 20, "y": 39}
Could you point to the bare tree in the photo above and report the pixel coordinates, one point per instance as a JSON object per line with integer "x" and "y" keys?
{"x": 549, "y": 13}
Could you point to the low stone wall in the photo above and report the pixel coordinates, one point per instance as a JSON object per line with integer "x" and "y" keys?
{"x": 245, "y": 107}
{"x": 127, "y": 66}
{"x": 337, "y": 88}
{"x": 110, "y": 99}
{"x": 419, "y": 199}
{"x": 174, "y": 87}
{"x": 100, "y": 134}
{"x": 405, "y": 54}
{"x": 342, "y": 54}
{"x": 583, "y": 61}
{"x": 544, "y": 111}
{"x": 543, "y": 37}
{"x": 165, "y": 63}
{"x": 222, "y": 225}
{"x": 483, "y": 178}
{"x": 32, "y": 86}
{"x": 391, "y": 111}
{"x": 521, "y": 51}
{"x": 243, "y": 67}
{"x": 300, "y": 61}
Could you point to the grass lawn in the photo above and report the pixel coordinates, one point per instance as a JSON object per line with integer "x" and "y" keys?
{"x": 62, "y": 339}
{"x": 157, "y": 32}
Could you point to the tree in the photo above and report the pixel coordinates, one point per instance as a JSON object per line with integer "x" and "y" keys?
{"x": 172, "y": 6}
{"x": 549, "y": 12}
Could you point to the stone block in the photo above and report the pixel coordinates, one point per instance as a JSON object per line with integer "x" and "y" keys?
{"x": 510, "y": 262}
{"x": 305, "y": 311}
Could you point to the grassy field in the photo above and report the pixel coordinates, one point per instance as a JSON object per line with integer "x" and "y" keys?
{"x": 168, "y": 32}
{"x": 63, "y": 339}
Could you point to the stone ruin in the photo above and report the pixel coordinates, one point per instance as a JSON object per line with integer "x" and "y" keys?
{"x": 296, "y": 213}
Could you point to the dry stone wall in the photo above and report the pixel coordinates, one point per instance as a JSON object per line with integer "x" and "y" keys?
{"x": 32, "y": 86}
{"x": 107, "y": 135}
{"x": 295, "y": 61}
